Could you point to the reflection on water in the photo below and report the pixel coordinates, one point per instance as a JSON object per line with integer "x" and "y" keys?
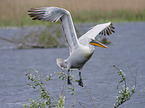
{"x": 127, "y": 50}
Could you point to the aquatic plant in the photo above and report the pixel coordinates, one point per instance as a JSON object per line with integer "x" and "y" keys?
{"x": 125, "y": 93}
{"x": 47, "y": 100}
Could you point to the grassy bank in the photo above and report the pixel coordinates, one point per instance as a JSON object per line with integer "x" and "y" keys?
{"x": 114, "y": 16}
{"x": 14, "y": 13}
{"x": 83, "y": 16}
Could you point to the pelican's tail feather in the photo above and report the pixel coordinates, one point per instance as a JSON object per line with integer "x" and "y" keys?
{"x": 61, "y": 63}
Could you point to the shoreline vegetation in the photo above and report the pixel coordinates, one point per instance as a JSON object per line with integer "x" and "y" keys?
{"x": 15, "y": 13}
{"x": 82, "y": 17}
{"x": 47, "y": 99}
{"x": 41, "y": 36}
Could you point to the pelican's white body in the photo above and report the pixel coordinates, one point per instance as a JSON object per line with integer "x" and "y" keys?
{"x": 79, "y": 57}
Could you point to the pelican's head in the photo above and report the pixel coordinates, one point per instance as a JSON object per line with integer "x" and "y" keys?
{"x": 96, "y": 43}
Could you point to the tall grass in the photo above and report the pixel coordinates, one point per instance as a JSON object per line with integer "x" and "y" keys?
{"x": 14, "y": 13}
{"x": 114, "y": 15}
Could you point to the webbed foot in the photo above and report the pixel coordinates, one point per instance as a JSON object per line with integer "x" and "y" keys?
{"x": 80, "y": 82}
{"x": 68, "y": 81}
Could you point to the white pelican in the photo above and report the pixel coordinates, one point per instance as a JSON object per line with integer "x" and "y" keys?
{"x": 80, "y": 49}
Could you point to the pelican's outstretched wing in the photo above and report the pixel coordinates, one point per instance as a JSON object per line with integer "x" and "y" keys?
{"x": 53, "y": 14}
{"x": 103, "y": 29}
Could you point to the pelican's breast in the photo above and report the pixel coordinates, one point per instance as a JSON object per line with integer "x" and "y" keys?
{"x": 79, "y": 57}
{"x": 87, "y": 52}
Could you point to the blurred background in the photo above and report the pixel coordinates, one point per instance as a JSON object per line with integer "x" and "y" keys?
{"x": 14, "y": 13}
{"x": 26, "y": 44}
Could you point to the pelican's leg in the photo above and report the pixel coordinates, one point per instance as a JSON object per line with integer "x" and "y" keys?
{"x": 80, "y": 81}
{"x": 68, "y": 79}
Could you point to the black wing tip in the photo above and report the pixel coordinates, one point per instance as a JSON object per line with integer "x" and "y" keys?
{"x": 36, "y": 13}
{"x": 31, "y": 10}
{"x": 108, "y": 31}
{"x": 111, "y": 26}
{"x": 112, "y": 30}
{"x": 34, "y": 18}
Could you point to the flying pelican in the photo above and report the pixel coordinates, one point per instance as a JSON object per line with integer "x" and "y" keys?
{"x": 81, "y": 49}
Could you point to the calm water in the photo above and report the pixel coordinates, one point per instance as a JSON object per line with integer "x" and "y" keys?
{"x": 127, "y": 51}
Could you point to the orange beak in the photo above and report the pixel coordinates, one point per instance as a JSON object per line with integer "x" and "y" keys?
{"x": 96, "y": 43}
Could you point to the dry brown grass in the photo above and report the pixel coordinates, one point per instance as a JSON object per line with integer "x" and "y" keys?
{"x": 10, "y": 9}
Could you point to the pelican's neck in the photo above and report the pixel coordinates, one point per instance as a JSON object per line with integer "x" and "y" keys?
{"x": 92, "y": 47}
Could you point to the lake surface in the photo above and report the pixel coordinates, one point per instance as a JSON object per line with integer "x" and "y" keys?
{"x": 127, "y": 52}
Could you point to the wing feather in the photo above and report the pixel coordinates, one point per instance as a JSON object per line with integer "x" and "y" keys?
{"x": 103, "y": 29}
{"x": 53, "y": 14}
